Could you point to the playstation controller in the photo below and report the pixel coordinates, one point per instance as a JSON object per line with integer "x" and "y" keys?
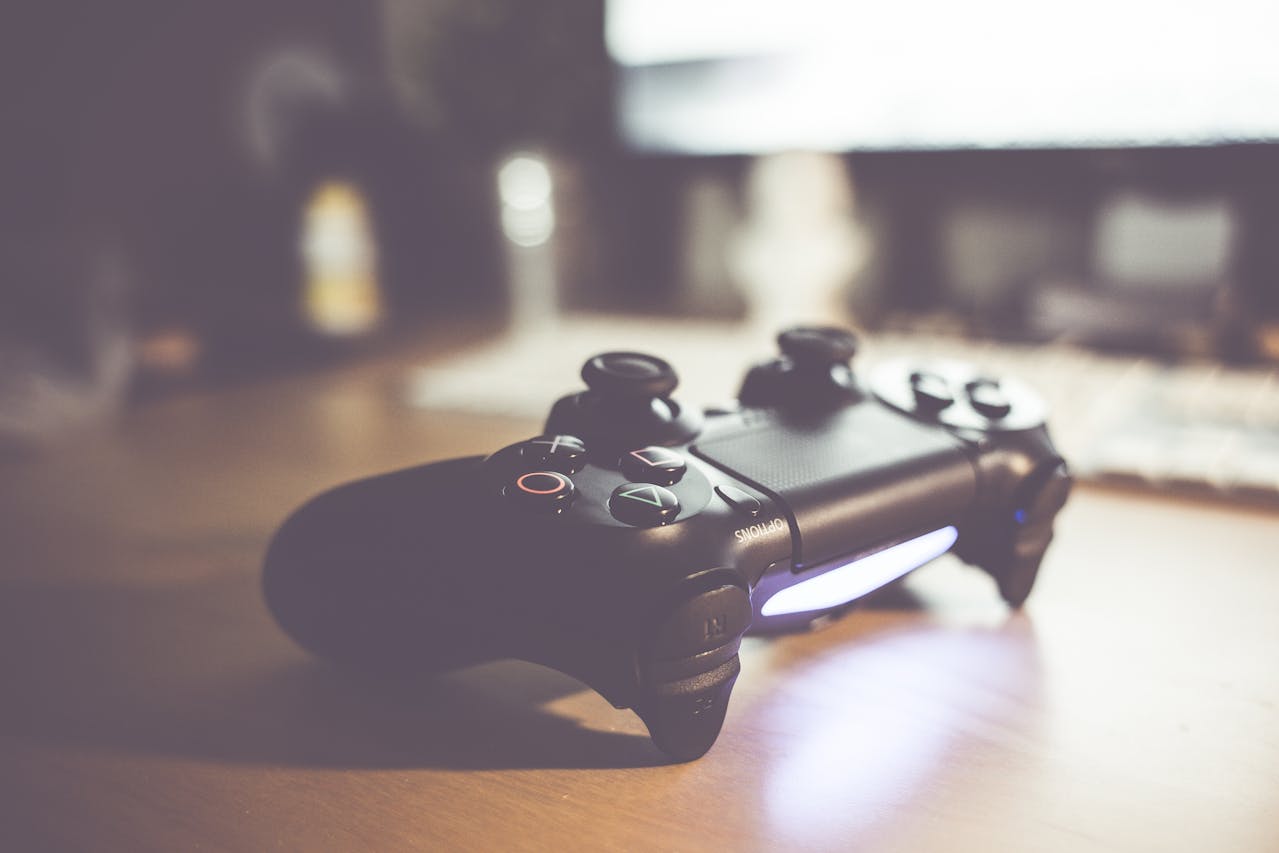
{"x": 636, "y": 541}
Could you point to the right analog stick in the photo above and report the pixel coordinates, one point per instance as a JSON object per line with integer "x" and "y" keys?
{"x": 818, "y": 346}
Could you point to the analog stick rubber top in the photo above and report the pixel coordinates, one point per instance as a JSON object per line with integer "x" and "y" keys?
{"x": 629, "y": 375}
{"x": 818, "y": 346}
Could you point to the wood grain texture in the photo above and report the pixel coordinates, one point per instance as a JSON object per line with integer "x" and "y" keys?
{"x": 150, "y": 703}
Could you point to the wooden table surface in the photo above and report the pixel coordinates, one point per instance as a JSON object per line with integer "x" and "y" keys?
{"x": 149, "y": 702}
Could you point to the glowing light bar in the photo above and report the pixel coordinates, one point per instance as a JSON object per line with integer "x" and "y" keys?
{"x": 853, "y": 580}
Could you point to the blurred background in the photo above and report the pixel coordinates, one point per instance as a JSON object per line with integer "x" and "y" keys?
{"x": 484, "y": 193}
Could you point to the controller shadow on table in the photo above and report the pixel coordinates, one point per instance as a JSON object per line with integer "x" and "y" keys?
{"x": 199, "y": 670}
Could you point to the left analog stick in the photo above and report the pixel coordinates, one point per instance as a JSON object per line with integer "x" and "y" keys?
{"x": 629, "y": 376}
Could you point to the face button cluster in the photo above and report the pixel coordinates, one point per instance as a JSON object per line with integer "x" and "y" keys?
{"x": 543, "y": 466}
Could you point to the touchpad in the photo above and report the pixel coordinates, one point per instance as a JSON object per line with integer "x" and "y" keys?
{"x": 849, "y": 478}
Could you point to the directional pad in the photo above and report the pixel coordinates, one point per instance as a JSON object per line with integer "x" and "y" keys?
{"x": 643, "y": 504}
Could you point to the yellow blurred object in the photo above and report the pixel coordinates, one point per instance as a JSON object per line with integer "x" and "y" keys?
{"x": 341, "y": 295}
{"x": 172, "y": 352}
{"x": 1268, "y": 341}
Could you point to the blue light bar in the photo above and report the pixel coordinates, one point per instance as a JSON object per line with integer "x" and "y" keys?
{"x": 853, "y": 580}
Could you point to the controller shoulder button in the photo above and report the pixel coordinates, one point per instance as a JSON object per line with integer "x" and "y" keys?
{"x": 704, "y": 622}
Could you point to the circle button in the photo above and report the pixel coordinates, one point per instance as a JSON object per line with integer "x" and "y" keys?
{"x": 543, "y": 490}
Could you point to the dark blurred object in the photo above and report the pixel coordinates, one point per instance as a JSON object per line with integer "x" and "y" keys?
{"x": 1149, "y": 251}
{"x": 494, "y": 79}
{"x": 65, "y": 345}
{"x": 1146, "y": 251}
{"x": 492, "y": 76}
{"x": 195, "y": 136}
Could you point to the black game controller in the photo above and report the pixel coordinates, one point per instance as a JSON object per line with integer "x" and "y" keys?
{"x": 636, "y": 541}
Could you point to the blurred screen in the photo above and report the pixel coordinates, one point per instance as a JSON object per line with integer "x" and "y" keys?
{"x": 753, "y": 76}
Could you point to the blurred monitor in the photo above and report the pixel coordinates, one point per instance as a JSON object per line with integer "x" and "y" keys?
{"x": 754, "y": 76}
{"x": 1086, "y": 169}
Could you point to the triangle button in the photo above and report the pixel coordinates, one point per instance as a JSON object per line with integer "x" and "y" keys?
{"x": 647, "y": 494}
{"x": 643, "y": 504}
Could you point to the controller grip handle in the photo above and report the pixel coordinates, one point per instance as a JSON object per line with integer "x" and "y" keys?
{"x": 384, "y": 572}
{"x": 690, "y": 664}
{"x": 684, "y": 716}
{"x": 1012, "y": 549}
